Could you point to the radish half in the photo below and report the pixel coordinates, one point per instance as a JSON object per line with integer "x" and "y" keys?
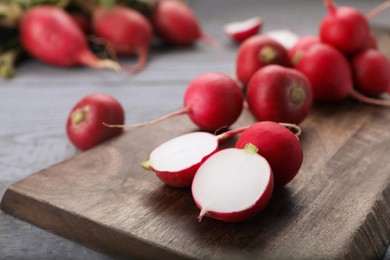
{"x": 176, "y": 161}
{"x": 233, "y": 185}
{"x": 242, "y": 30}
{"x": 286, "y": 38}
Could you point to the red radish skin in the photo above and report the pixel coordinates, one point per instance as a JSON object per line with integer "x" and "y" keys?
{"x": 345, "y": 28}
{"x": 242, "y": 30}
{"x": 278, "y": 145}
{"x": 85, "y": 127}
{"x": 328, "y": 71}
{"x": 190, "y": 151}
{"x": 176, "y": 23}
{"x": 233, "y": 185}
{"x": 303, "y": 44}
{"x": 279, "y": 94}
{"x": 127, "y": 31}
{"x": 371, "y": 70}
{"x": 51, "y": 35}
{"x": 256, "y": 52}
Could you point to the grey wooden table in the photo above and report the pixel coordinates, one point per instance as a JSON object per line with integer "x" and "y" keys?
{"x": 35, "y": 104}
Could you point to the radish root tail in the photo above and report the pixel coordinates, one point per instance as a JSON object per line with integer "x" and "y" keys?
{"x": 373, "y": 101}
{"x": 297, "y": 130}
{"x": 377, "y": 10}
{"x": 142, "y": 59}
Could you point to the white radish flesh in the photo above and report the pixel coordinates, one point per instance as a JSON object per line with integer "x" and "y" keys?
{"x": 182, "y": 152}
{"x": 286, "y": 38}
{"x": 233, "y": 184}
{"x": 242, "y": 30}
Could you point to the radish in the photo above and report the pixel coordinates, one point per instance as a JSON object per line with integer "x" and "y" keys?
{"x": 303, "y": 43}
{"x": 85, "y": 127}
{"x": 279, "y": 94}
{"x": 328, "y": 72}
{"x": 371, "y": 70}
{"x": 286, "y": 38}
{"x": 176, "y": 161}
{"x": 278, "y": 145}
{"x": 345, "y": 28}
{"x": 257, "y": 52}
{"x": 127, "y": 31}
{"x": 177, "y": 24}
{"x": 51, "y": 35}
{"x": 233, "y": 185}
{"x": 242, "y": 30}
{"x": 212, "y": 101}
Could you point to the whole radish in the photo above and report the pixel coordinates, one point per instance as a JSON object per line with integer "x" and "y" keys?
{"x": 257, "y": 52}
{"x": 176, "y": 23}
{"x": 212, "y": 101}
{"x": 127, "y": 31}
{"x": 176, "y": 161}
{"x": 345, "y": 28}
{"x": 85, "y": 127}
{"x": 278, "y": 145}
{"x": 241, "y": 30}
{"x": 328, "y": 71}
{"x": 51, "y": 35}
{"x": 371, "y": 71}
{"x": 233, "y": 185}
{"x": 279, "y": 94}
{"x": 304, "y": 43}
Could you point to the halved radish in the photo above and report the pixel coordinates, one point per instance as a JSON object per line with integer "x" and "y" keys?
{"x": 286, "y": 38}
{"x": 176, "y": 161}
{"x": 242, "y": 30}
{"x": 233, "y": 184}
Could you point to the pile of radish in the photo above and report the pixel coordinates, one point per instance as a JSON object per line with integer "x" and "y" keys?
{"x": 57, "y": 35}
{"x": 282, "y": 76}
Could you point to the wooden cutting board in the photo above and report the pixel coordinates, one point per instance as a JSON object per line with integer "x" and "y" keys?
{"x": 338, "y": 206}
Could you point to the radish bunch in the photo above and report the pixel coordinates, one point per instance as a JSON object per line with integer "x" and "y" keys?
{"x": 60, "y": 37}
{"x": 231, "y": 184}
{"x": 343, "y": 61}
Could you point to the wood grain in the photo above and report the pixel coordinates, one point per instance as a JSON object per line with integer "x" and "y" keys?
{"x": 337, "y": 207}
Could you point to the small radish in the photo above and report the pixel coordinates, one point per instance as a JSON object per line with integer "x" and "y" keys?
{"x": 51, "y": 35}
{"x": 278, "y": 145}
{"x": 371, "y": 70}
{"x": 176, "y": 161}
{"x": 242, "y": 30}
{"x": 127, "y": 31}
{"x": 345, "y": 28}
{"x": 286, "y": 38}
{"x": 257, "y": 52}
{"x": 85, "y": 127}
{"x": 279, "y": 94}
{"x": 212, "y": 101}
{"x": 304, "y": 43}
{"x": 233, "y": 185}
{"x": 177, "y": 24}
{"x": 328, "y": 72}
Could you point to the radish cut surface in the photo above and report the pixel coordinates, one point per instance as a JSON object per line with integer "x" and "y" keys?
{"x": 232, "y": 185}
{"x": 286, "y": 38}
{"x": 183, "y": 151}
{"x": 242, "y": 30}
